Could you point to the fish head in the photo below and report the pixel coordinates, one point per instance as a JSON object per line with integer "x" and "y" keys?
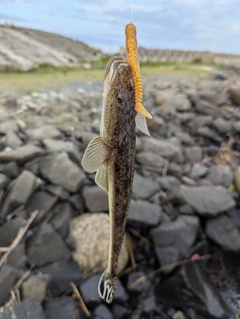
{"x": 118, "y": 102}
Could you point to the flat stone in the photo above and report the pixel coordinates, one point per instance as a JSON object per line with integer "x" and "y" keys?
{"x": 173, "y": 240}
{"x": 46, "y": 246}
{"x": 200, "y": 120}
{"x": 169, "y": 182}
{"x": 174, "y": 169}
{"x": 8, "y": 277}
{"x": 220, "y": 175}
{"x": 96, "y": 199}
{"x": 3, "y": 181}
{"x": 12, "y": 140}
{"x": 188, "y": 287}
{"x": 120, "y": 312}
{"x": 61, "y": 274}
{"x": 61, "y": 219}
{"x": 60, "y": 309}
{"x": 17, "y": 257}
{"x": 234, "y": 94}
{"x": 142, "y": 286}
{"x": 71, "y": 176}
{"x": 208, "y": 200}
{"x": 11, "y": 126}
{"x": 43, "y": 202}
{"x": 224, "y": 232}
{"x": 163, "y": 148}
{"x": 222, "y": 125}
{"x": 58, "y": 191}
{"x": 18, "y": 194}
{"x": 21, "y": 154}
{"x": 182, "y": 103}
{"x": 207, "y": 108}
{"x": 35, "y": 287}
{"x": 48, "y": 131}
{"x": 77, "y": 202}
{"x": 144, "y": 214}
{"x": 28, "y": 309}
{"x": 217, "y": 98}
{"x": 10, "y": 169}
{"x": 90, "y": 234}
{"x": 206, "y": 132}
{"x": 8, "y": 231}
{"x": 155, "y": 123}
{"x": 102, "y": 312}
{"x": 150, "y": 160}
{"x": 144, "y": 188}
{"x": 234, "y": 215}
{"x": 193, "y": 154}
{"x": 198, "y": 171}
{"x": 60, "y": 146}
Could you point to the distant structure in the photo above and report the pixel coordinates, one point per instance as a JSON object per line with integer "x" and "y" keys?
{"x": 5, "y": 23}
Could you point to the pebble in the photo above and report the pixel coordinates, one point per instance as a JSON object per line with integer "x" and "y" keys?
{"x": 96, "y": 199}
{"x": 150, "y": 188}
{"x": 220, "y": 175}
{"x": 35, "y": 287}
{"x": 60, "y": 309}
{"x": 27, "y": 309}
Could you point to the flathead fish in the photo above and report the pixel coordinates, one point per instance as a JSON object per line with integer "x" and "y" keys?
{"x": 112, "y": 155}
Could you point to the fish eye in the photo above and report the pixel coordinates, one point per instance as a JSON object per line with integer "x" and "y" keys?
{"x": 120, "y": 97}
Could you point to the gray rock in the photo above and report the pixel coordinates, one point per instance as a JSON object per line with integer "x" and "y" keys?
{"x": 60, "y": 309}
{"x": 6, "y": 127}
{"x": 61, "y": 274}
{"x": 48, "y": 131}
{"x": 35, "y": 287}
{"x": 200, "y": 120}
{"x": 61, "y": 219}
{"x": 8, "y": 231}
{"x": 17, "y": 258}
{"x": 120, "y": 312}
{"x": 71, "y": 176}
{"x": 155, "y": 123}
{"x": 102, "y": 312}
{"x": 174, "y": 169}
{"x": 189, "y": 288}
{"x": 234, "y": 216}
{"x": 43, "y": 202}
{"x": 217, "y": 98}
{"x": 77, "y": 202}
{"x": 234, "y": 94}
{"x": 169, "y": 182}
{"x": 10, "y": 169}
{"x": 96, "y": 199}
{"x": 145, "y": 214}
{"x": 60, "y": 146}
{"x": 12, "y": 140}
{"x": 151, "y": 160}
{"x": 143, "y": 188}
{"x": 3, "y": 181}
{"x": 208, "y": 200}
{"x": 8, "y": 277}
{"x": 222, "y": 125}
{"x": 28, "y": 309}
{"x": 18, "y": 194}
{"x": 173, "y": 240}
{"x": 220, "y": 175}
{"x": 21, "y": 154}
{"x": 142, "y": 286}
{"x": 46, "y": 246}
{"x": 206, "y": 132}
{"x": 193, "y": 154}
{"x": 184, "y": 138}
{"x": 236, "y": 126}
{"x": 185, "y": 209}
{"x": 207, "y": 108}
{"x": 237, "y": 179}
{"x": 58, "y": 191}
{"x": 182, "y": 103}
{"x": 198, "y": 171}
{"x": 224, "y": 232}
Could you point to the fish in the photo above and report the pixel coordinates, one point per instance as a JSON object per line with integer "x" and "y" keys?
{"x": 112, "y": 155}
{"x": 133, "y": 61}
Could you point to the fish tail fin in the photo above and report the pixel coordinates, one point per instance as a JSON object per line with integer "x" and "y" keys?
{"x": 141, "y": 109}
{"x": 107, "y": 286}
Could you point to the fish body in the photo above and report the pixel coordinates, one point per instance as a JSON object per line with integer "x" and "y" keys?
{"x": 133, "y": 61}
{"x": 112, "y": 155}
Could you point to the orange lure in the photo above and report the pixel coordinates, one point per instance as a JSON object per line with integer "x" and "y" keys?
{"x": 132, "y": 57}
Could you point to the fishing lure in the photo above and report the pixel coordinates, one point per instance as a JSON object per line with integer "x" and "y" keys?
{"x": 132, "y": 58}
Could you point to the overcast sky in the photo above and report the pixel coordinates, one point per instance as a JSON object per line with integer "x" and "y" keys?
{"x": 211, "y": 25}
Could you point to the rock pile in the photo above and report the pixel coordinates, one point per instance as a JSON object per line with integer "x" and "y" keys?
{"x": 185, "y": 206}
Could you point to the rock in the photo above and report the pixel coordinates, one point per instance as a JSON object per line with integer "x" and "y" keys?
{"x": 234, "y": 94}
{"x": 77, "y": 201}
{"x": 21, "y": 154}
{"x": 174, "y": 169}
{"x": 18, "y": 194}
{"x": 207, "y": 108}
{"x": 222, "y": 125}
{"x": 199, "y": 121}
{"x": 173, "y": 240}
{"x": 218, "y": 77}
{"x": 150, "y": 187}
{"x": 208, "y": 200}
{"x": 61, "y": 219}
{"x": 166, "y": 102}
{"x": 188, "y": 287}
{"x": 198, "y": 171}
{"x": 35, "y": 287}
{"x": 89, "y": 290}
{"x": 60, "y": 309}
{"x": 61, "y": 274}
{"x": 71, "y": 176}
{"x": 102, "y": 312}
{"x": 193, "y": 154}
{"x": 144, "y": 214}
{"x": 206, "y": 132}
{"x": 182, "y": 103}
{"x": 8, "y": 231}
{"x": 17, "y": 258}
{"x": 163, "y": 148}
{"x": 11, "y": 126}
{"x": 48, "y": 131}
{"x": 220, "y": 175}
{"x": 96, "y": 199}
{"x": 90, "y": 233}
{"x": 46, "y": 246}
{"x": 58, "y": 191}
{"x": 185, "y": 209}
{"x": 10, "y": 169}
{"x": 8, "y": 277}
{"x": 224, "y": 232}
{"x": 3, "y": 181}
{"x": 12, "y": 140}
{"x": 179, "y": 315}
{"x": 141, "y": 287}
{"x": 236, "y": 126}
{"x": 169, "y": 182}
{"x": 60, "y": 146}
{"x": 155, "y": 123}
{"x": 149, "y": 304}
{"x": 234, "y": 215}
{"x": 28, "y": 309}
{"x": 216, "y": 98}
{"x": 151, "y": 160}
{"x": 120, "y": 312}
{"x": 43, "y": 202}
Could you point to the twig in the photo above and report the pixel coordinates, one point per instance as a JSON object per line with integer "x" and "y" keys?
{"x": 15, "y": 212}
{"x": 165, "y": 167}
{"x": 18, "y": 238}
{"x": 79, "y": 297}
{"x": 143, "y": 239}
{"x": 161, "y": 269}
{"x": 130, "y": 250}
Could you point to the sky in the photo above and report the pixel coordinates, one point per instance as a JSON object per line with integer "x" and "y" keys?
{"x": 205, "y": 25}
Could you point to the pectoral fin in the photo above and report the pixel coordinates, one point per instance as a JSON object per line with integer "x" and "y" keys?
{"x": 95, "y": 155}
{"x": 141, "y": 109}
{"x": 101, "y": 177}
{"x": 141, "y": 124}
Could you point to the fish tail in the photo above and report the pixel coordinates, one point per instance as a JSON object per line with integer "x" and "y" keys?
{"x": 107, "y": 286}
